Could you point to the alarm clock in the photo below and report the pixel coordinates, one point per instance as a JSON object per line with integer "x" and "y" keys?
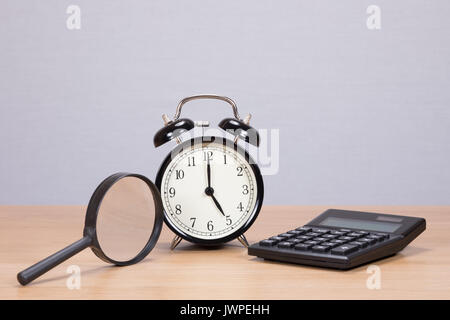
{"x": 211, "y": 188}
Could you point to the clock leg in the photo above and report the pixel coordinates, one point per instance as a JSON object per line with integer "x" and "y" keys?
{"x": 243, "y": 240}
{"x": 175, "y": 241}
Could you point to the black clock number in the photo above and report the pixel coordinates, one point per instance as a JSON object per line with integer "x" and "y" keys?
{"x": 172, "y": 192}
{"x": 229, "y": 221}
{"x": 239, "y": 170}
{"x": 224, "y": 159}
{"x": 178, "y": 209}
{"x": 240, "y": 207}
{"x": 193, "y": 221}
{"x": 191, "y": 162}
{"x": 179, "y": 174}
{"x": 207, "y": 155}
{"x": 210, "y": 226}
{"x": 245, "y": 189}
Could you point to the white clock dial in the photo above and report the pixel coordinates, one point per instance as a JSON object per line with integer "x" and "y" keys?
{"x": 209, "y": 210}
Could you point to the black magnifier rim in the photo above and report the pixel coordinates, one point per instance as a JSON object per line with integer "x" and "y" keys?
{"x": 90, "y": 224}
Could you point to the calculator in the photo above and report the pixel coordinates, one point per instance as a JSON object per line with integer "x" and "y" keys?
{"x": 341, "y": 239}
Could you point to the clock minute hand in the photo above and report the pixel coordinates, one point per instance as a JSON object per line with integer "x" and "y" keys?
{"x": 210, "y": 191}
{"x": 208, "y": 172}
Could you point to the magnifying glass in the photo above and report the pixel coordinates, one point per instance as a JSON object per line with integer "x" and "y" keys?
{"x": 123, "y": 222}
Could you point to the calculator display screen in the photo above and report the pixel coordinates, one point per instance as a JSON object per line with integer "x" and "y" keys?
{"x": 360, "y": 224}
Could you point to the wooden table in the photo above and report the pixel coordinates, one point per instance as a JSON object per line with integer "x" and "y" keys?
{"x": 28, "y": 234}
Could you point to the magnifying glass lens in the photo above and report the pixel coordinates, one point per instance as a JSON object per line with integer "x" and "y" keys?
{"x": 126, "y": 218}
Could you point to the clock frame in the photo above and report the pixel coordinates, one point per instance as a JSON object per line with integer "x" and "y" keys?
{"x": 205, "y": 140}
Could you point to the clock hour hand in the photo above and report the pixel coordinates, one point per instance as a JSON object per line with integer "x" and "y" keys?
{"x": 217, "y": 204}
{"x": 210, "y": 192}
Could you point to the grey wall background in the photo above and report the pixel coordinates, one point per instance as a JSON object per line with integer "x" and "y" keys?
{"x": 364, "y": 115}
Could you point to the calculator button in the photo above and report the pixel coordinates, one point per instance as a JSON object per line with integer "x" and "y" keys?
{"x": 329, "y": 236}
{"x": 345, "y": 230}
{"x": 285, "y": 244}
{"x": 319, "y": 230}
{"x": 267, "y": 243}
{"x": 295, "y": 232}
{"x": 311, "y": 242}
{"x": 286, "y": 235}
{"x": 338, "y": 241}
{"x": 358, "y": 244}
{"x": 363, "y": 244}
{"x": 312, "y": 234}
{"x": 293, "y": 240}
{"x": 346, "y": 238}
{"x": 329, "y": 244}
{"x": 368, "y": 240}
{"x": 304, "y": 229}
{"x": 384, "y": 235}
{"x": 364, "y": 233}
{"x": 302, "y": 246}
{"x": 344, "y": 249}
{"x": 338, "y": 233}
{"x": 354, "y": 234}
{"x": 304, "y": 238}
{"x": 320, "y": 239}
{"x": 320, "y": 248}
{"x": 373, "y": 236}
{"x": 276, "y": 238}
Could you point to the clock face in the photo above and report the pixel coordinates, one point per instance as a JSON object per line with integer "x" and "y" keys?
{"x": 210, "y": 191}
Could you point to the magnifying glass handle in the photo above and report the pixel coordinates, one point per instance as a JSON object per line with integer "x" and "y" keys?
{"x": 38, "y": 269}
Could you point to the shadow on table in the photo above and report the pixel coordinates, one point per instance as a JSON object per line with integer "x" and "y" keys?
{"x": 409, "y": 251}
{"x": 94, "y": 270}
{"x": 187, "y": 246}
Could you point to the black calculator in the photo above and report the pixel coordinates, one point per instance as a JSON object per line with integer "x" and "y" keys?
{"x": 341, "y": 239}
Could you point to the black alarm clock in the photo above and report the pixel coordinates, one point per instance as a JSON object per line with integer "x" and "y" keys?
{"x": 211, "y": 188}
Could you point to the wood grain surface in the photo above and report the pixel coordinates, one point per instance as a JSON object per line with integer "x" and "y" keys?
{"x": 30, "y": 233}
